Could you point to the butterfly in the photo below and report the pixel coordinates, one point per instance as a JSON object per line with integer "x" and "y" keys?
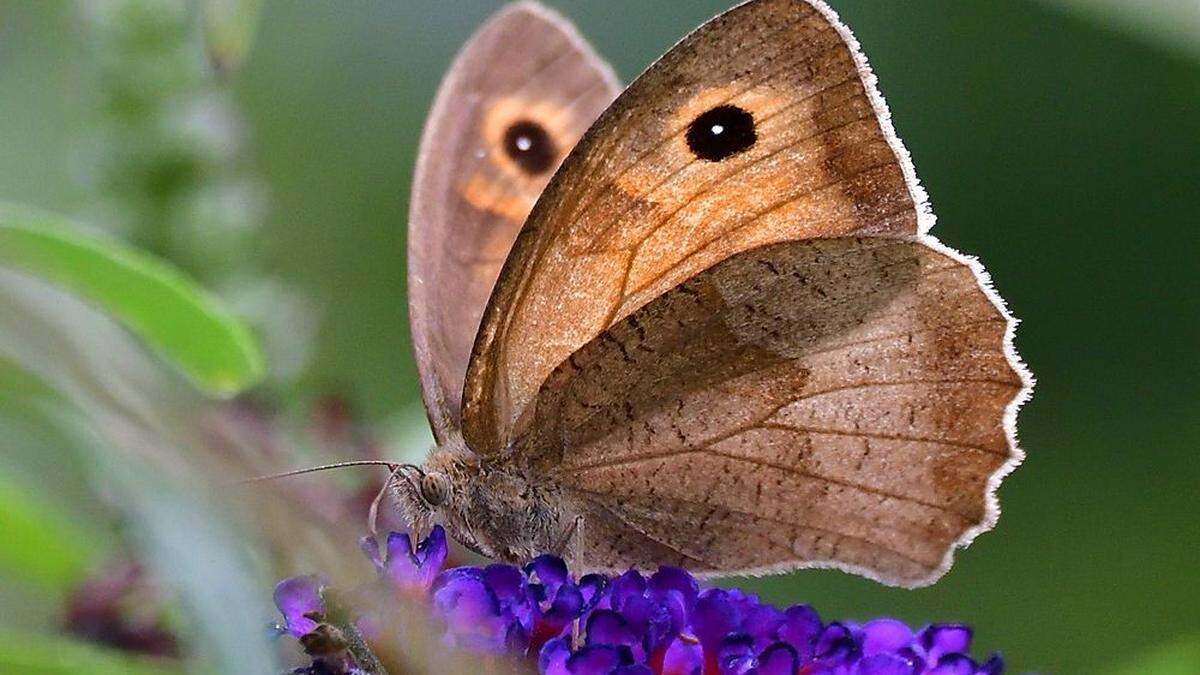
{"x": 698, "y": 322}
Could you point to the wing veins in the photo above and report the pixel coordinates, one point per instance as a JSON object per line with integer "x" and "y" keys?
{"x": 900, "y": 383}
{"x": 866, "y": 489}
{"x": 659, "y": 276}
{"x": 774, "y": 521}
{"x": 643, "y": 533}
{"x": 882, "y": 338}
{"x": 835, "y": 481}
{"x": 765, "y": 419}
{"x": 881, "y": 436}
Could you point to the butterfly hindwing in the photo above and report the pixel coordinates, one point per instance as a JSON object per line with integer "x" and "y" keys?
{"x": 518, "y": 97}
{"x": 831, "y": 402}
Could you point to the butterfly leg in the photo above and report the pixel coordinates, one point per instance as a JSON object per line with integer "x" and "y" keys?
{"x": 577, "y": 553}
{"x": 573, "y": 534}
{"x": 373, "y": 511}
{"x": 572, "y": 538}
{"x": 576, "y": 559}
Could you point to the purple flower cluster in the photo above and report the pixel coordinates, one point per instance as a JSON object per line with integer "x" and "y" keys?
{"x": 631, "y": 624}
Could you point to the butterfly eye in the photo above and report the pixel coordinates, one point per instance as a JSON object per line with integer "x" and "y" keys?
{"x": 721, "y": 132}
{"x": 435, "y": 489}
{"x": 530, "y": 147}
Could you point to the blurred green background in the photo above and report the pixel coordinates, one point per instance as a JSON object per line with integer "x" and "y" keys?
{"x": 1059, "y": 142}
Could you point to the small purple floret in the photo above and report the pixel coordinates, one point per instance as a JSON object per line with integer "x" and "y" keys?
{"x": 299, "y": 599}
{"x": 409, "y": 569}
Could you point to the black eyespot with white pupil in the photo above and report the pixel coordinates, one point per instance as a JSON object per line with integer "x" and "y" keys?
{"x": 529, "y": 145}
{"x": 722, "y": 132}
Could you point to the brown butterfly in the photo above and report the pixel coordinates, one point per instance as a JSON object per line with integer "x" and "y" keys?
{"x": 722, "y": 338}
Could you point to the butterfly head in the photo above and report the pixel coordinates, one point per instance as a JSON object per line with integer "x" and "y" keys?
{"x": 422, "y": 492}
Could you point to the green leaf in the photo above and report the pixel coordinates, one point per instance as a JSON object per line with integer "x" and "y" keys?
{"x": 174, "y": 316}
{"x": 56, "y": 655}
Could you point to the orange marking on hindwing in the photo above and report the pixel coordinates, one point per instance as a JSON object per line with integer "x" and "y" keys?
{"x": 501, "y": 187}
{"x": 488, "y": 195}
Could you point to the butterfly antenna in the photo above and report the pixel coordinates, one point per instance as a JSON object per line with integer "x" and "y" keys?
{"x": 373, "y": 511}
{"x": 393, "y": 466}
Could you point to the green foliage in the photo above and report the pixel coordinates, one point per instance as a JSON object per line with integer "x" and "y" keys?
{"x": 40, "y": 544}
{"x": 1181, "y": 657}
{"x": 229, "y": 31}
{"x": 180, "y": 321}
{"x": 51, "y": 655}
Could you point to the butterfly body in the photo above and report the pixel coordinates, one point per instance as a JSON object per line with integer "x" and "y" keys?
{"x": 721, "y": 337}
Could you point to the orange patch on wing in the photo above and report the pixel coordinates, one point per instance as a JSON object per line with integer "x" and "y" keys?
{"x": 496, "y": 197}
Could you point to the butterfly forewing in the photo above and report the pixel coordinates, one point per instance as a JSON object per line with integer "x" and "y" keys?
{"x": 759, "y": 127}
{"x": 825, "y": 402}
{"x": 516, "y": 100}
